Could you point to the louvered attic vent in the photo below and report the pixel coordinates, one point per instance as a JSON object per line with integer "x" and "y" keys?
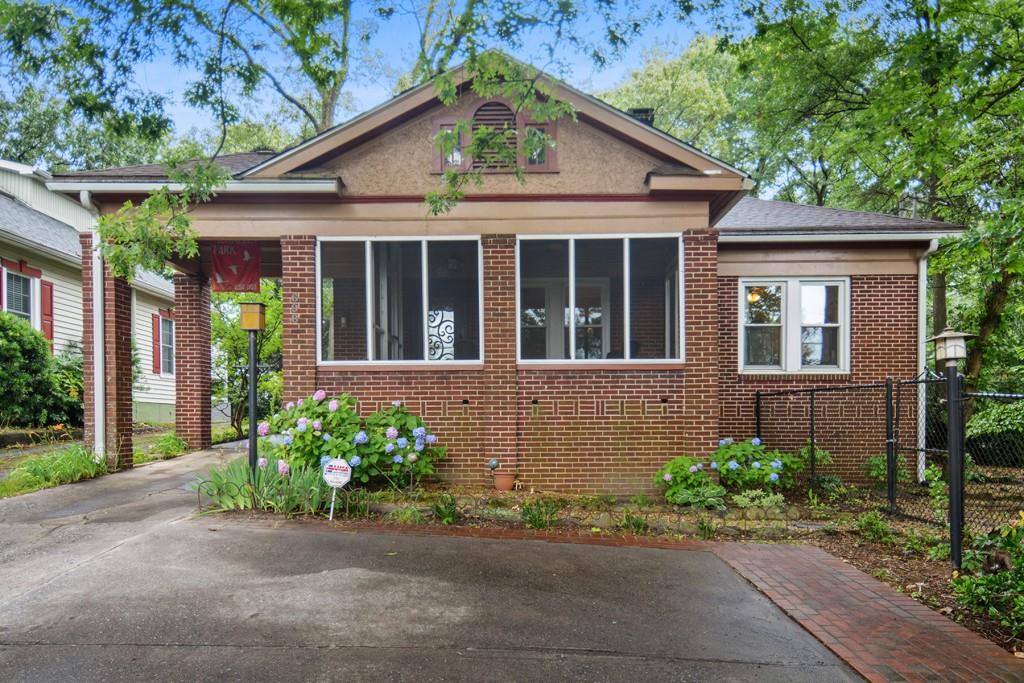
{"x": 497, "y": 117}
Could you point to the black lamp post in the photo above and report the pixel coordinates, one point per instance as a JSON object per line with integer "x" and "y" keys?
{"x": 254, "y": 320}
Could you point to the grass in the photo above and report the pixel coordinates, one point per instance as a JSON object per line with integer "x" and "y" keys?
{"x": 65, "y": 466}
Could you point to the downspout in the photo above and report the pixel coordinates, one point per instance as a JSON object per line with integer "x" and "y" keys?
{"x": 922, "y": 356}
{"x": 99, "y": 405}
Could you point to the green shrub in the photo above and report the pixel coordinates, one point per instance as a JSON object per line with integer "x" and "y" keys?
{"x": 706, "y": 528}
{"x": 938, "y": 492}
{"x": 634, "y": 523}
{"x": 276, "y": 487}
{"x": 29, "y": 393}
{"x": 743, "y": 465}
{"x": 391, "y": 445}
{"x": 996, "y": 592}
{"x": 169, "y": 446}
{"x": 61, "y": 467}
{"x": 446, "y": 509}
{"x": 876, "y": 468}
{"x": 67, "y": 399}
{"x": 759, "y": 498}
{"x": 872, "y": 526}
{"x": 540, "y": 513}
{"x": 409, "y": 515}
{"x": 708, "y": 496}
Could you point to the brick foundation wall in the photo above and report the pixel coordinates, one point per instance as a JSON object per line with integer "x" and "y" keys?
{"x": 592, "y": 430}
{"x": 850, "y": 424}
{"x": 192, "y": 356}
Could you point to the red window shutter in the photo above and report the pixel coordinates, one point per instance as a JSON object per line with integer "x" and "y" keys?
{"x": 46, "y": 306}
{"x": 156, "y": 344}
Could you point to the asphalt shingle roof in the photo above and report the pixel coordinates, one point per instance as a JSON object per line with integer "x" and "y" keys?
{"x": 761, "y": 216}
{"x": 25, "y": 224}
{"x": 232, "y": 163}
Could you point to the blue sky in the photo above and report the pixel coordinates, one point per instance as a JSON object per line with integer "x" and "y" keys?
{"x": 393, "y": 42}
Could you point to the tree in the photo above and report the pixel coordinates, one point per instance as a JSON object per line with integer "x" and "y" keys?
{"x": 231, "y": 352}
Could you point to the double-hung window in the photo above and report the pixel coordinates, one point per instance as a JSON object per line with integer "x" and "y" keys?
{"x": 794, "y": 325}
{"x": 167, "y": 345}
{"x": 400, "y": 300}
{"x": 21, "y": 292}
{"x": 599, "y": 298}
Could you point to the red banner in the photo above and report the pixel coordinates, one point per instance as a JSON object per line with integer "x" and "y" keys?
{"x": 236, "y": 267}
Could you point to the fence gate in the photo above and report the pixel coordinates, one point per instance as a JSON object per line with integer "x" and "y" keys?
{"x": 919, "y": 437}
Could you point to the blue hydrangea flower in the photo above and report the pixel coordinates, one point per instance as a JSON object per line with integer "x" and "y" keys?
{"x": 360, "y": 437}
{"x": 756, "y": 441}
{"x": 721, "y": 442}
{"x": 288, "y": 440}
{"x": 756, "y": 464}
{"x": 402, "y": 442}
{"x": 302, "y": 427}
{"x": 693, "y": 469}
{"x": 776, "y": 464}
{"x": 774, "y": 476}
{"x": 324, "y": 459}
{"x": 419, "y": 446}
{"x": 397, "y": 460}
{"x": 700, "y": 466}
{"x": 388, "y": 447}
{"x": 733, "y": 465}
{"x": 391, "y": 433}
{"x": 419, "y": 432}
{"x": 714, "y": 465}
{"x": 431, "y": 438}
{"x": 327, "y": 437}
{"x": 354, "y": 461}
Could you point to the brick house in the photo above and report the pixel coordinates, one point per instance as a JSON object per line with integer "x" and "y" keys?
{"x": 686, "y": 296}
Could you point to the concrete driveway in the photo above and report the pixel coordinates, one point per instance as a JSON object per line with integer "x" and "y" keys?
{"x": 117, "y": 580}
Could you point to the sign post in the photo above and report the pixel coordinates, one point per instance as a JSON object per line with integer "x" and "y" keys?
{"x": 337, "y": 473}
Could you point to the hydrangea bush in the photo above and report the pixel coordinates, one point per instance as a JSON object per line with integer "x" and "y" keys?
{"x": 392, "y": 444}
{"x": 744, "y": 465}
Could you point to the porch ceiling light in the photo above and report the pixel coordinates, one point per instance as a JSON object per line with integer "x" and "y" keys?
{"x": 950, "y": 346}
{"x": 254, "y": 316}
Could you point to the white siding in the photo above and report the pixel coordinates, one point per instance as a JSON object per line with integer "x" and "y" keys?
{"x": 67, "y": 293}
{"x": 33, "y": 192}
{"x": 158, "y": 388}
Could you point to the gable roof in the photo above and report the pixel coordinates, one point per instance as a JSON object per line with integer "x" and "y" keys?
{"x": 424, "y": 96}
{"x": 23, "y": 225}
{"x": 232, "y": 163}
{"x": 754, "y": 216}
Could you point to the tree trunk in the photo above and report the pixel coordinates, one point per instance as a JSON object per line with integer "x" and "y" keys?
{"x": 994, "y": 303}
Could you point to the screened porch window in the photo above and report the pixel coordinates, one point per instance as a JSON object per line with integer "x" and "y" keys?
{"x": 399, "y": 300}
{"x": 598, "y": 298}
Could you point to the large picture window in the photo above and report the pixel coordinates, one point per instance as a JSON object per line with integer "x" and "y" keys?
{"x": 400, "y": 300}
{"x": 599, "y": 298}
{"x": 794, "y": 324}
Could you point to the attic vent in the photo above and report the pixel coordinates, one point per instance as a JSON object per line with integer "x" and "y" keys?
{"x": 497, "y": 117}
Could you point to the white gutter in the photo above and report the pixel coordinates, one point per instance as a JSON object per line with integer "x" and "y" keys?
{"x": 231, "y": 187}
{"x": 922, "y": 355}
{"x": 99, "y": 394}
{"x": 907, "y": 236}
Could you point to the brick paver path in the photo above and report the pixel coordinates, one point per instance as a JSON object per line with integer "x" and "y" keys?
{"x": 882, "y": 634}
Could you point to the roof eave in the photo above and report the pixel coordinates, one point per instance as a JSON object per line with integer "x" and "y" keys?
{"x": 740, "y": 237}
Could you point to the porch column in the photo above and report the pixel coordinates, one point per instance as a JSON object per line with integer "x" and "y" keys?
{"x": 700, "y": 297}
{"x": 500, "y": 320}
{"x": 114, "y": 411}
{"x": 298, "y": 339}
{"x": 192, "y": 359}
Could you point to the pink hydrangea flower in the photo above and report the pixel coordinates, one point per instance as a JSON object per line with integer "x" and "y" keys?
{"x": 303, "y": 420}
{"x": 262, "y": 463}
{"x": 319, "y": 395}
{"x": 332, "y": 406}
{"x": 396, "y": 403}
{"x": 667, "y": 477}
{"x": 300, "y": 401}
{"x": 391, "y": 433}
{"x": 317, "y": 426}
{"x": 289, "y": 405}
{"x": 263, "y": 429}
{"x": 282, "y": 468}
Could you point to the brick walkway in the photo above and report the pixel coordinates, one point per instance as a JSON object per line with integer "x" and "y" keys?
{"x": 882, "y": 634}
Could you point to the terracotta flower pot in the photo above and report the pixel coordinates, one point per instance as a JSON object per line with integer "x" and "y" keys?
{"x": 504, "y": 481}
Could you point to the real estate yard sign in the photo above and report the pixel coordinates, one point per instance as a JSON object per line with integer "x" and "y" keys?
{"x": 337, "y": 473}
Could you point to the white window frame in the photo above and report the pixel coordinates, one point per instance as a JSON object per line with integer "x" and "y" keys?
{"x": 174, "y": 346}
{"x": 367, "y": 242}
{"x": 35, "y": 297}
{"x": 626, "y": 284}
{"x": 554, "y": 295}
{"x": 792, "y": 325}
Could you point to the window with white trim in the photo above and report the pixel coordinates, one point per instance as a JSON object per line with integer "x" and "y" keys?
{"x": 166, "y": 345}
{"x": 794, "y": 325}
{"x": 598, "y": 298}
{"x": 400, "y": 300}
{"x": 19, "y": 295}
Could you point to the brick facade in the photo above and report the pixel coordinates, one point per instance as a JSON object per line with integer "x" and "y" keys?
{"x": 117, "y": 360}
{"x": 192, "y": 350}
{"x": 598, "y": 430}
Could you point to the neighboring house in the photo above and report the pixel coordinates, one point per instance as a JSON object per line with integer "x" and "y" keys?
{"x": 620, "y": 307}
{"x": 41, "y": 281}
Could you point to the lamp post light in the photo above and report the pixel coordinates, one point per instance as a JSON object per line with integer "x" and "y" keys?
{"x": 950, "y": 349}
{"x": 253, "y": 320}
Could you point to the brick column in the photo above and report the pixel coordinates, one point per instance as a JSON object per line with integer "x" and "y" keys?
{"x": 700, "y": 402}
{"x": 117, "y": 361}
{"x": 192, "y": 359}
{"x": 298, "y": 340}
{"x": 500, "y": 320}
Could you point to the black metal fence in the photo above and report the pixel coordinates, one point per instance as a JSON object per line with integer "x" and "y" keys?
{"x": 888, "y": 440}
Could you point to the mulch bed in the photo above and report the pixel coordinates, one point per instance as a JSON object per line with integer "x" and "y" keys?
{"x": 925, "y": 580}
